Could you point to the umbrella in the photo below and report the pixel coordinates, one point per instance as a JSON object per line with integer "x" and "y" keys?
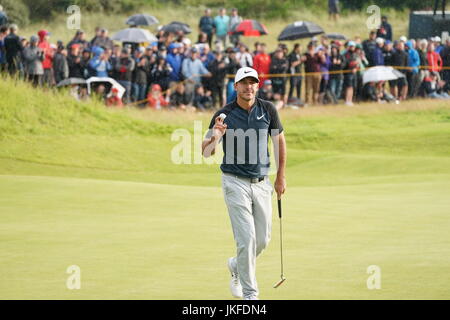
{"x": 336, "y": 36}
{"x": 381, "y": 73}
{"x": 142, "y": 20}
{"x": 109, "y": 81}
{"x": 71, "y": 81}
{"x": 299, "y": 30}
{"x": 176, "y": 26}
{"x": 134, "y": 35}
{"x": 249, "y": 28}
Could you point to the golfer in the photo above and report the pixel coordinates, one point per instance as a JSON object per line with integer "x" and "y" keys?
{"x": 245, "y": 125}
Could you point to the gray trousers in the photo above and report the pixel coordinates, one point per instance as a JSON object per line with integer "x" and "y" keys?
{"x": 250, "y": 209}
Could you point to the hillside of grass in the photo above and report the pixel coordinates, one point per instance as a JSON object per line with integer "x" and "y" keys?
{"x": 49, "y": 134}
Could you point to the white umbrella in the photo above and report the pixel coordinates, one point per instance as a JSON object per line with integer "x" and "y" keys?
{"x": 135, "y": 35}
{"x": 111, "y": 81}
{"x": 381, "y": 73}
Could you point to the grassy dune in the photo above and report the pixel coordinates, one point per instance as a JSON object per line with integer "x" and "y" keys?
{"x": 89, "y": 186}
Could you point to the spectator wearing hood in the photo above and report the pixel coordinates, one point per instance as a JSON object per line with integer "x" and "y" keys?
{"x": 99, "y": 64}
{"x": 175, "y": 60}
{"x": 13, "y": 48}
{"x": 49, "y": 53}
{"x": 33, "y": 58}
{"x": 125, "y": 67}
{"x": 413, "y": 75}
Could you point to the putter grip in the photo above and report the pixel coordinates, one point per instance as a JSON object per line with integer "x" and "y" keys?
{"x": 279, "y": 208}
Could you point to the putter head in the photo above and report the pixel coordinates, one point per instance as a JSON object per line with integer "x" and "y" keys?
{"x": 276, "y": 285}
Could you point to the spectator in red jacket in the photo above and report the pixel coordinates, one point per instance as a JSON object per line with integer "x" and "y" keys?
{"x": 261, "y": 64}
{"x": 155, "y": 98}
{"x": 49, "y": 52}
{"x": 434, "y": 59}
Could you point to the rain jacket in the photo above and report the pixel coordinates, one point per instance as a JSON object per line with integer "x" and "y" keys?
{"x": 98, "y": 66}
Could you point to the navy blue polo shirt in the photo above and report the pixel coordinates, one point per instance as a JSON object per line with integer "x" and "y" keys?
{"x": 245, "y": 143}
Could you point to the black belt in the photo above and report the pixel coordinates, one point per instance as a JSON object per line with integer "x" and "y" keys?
{"x": 252, "y": 180}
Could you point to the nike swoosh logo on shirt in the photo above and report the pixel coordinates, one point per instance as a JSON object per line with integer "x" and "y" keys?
{"x": 259, "y": 118}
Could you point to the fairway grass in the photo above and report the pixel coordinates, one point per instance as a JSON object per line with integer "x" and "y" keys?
{"x": 152, "y": 241}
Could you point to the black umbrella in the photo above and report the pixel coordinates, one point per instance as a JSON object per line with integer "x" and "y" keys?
{"x": 336, "y": 36}
{"x": 176, "y": 26}
{"x": 141, "y": 19}
{"x": 299, "y": 30}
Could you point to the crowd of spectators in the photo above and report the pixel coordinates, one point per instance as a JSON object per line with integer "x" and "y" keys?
{"x": 175, "y": 72}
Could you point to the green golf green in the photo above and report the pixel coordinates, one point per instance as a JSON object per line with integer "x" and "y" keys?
{"x": 82, "y": 185}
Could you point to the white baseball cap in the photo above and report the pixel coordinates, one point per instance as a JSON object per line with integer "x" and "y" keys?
{"x": 246, "y": 72}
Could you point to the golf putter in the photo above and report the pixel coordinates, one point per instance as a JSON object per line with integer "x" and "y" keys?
{"x": 276, "y": 285}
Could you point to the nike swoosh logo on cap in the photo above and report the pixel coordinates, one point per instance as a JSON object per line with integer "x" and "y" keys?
{"x": 247, "y": 71}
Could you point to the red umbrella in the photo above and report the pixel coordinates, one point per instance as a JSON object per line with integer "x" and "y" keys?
{"x": 249, "y": 28}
